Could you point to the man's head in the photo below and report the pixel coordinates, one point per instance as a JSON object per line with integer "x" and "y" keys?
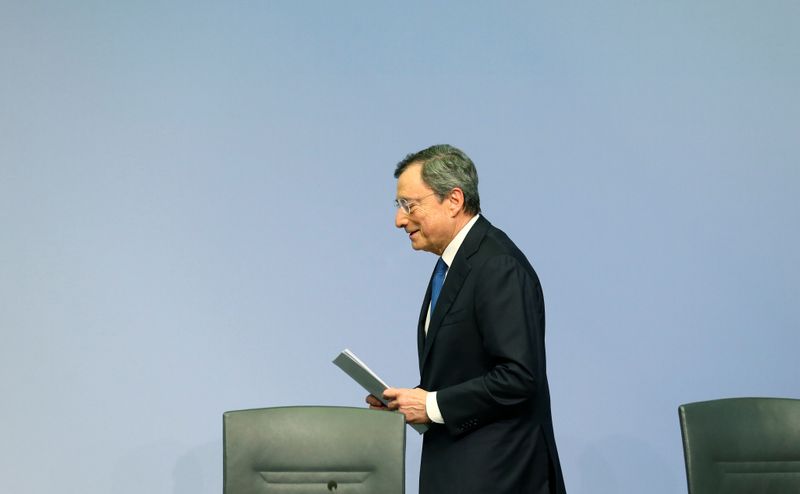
{"x": 437, "y": 194}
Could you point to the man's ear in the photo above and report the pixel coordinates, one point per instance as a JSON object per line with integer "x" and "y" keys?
{"x": 455, "y": 201}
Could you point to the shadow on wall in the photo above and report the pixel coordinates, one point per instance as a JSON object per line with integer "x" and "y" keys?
{"x": 618, "y": 464}
{"x": 150, "y": 469}
{"x": 199, "y": 470}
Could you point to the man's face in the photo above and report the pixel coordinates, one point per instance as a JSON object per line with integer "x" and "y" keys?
{"x": 429, "y": 223}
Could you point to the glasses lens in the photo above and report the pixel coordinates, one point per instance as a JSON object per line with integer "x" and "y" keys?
{"x": 402, "y": 204}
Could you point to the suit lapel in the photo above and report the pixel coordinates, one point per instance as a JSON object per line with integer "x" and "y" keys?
{"x": 421, "y": 324}
{"x": 456, "y": 274}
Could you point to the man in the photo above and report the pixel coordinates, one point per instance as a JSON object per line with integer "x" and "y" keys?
{"x": 483, "y": 386}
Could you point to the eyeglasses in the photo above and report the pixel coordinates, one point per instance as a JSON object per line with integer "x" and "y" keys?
{"x": 407, "y": 204}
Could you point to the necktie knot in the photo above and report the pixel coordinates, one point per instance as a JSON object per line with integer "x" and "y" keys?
{"x": 438, "y": 281}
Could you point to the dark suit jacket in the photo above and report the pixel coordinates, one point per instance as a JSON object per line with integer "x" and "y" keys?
{"x": 484, "y": 355}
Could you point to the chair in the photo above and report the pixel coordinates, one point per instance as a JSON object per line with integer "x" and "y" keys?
{"x": 313, "y": 449}
{"x": 742, "y": 445}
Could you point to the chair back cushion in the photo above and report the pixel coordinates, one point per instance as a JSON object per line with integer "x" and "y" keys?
{"x": 742, "y": 445}
{"x": 313, "y": 449}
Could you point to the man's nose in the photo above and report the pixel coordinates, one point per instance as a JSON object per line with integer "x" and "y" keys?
{"x": 400, "y": 218}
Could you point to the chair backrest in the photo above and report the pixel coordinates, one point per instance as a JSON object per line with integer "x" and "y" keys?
{"x": 742, "y": 445}
{"x": 313, "y": 449}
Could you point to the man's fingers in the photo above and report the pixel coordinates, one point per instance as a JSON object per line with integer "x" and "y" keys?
{"x": 374, "y": 403}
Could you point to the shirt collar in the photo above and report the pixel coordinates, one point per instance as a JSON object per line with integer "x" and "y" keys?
{"x": 452, "y": 248}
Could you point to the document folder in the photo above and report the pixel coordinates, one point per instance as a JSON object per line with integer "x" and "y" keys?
{"x": 363, "y": 375}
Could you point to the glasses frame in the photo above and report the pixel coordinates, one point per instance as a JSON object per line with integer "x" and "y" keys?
{"x": 407, "y": 204}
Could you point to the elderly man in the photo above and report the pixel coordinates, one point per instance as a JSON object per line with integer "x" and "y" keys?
{"x": 483, "y": 386}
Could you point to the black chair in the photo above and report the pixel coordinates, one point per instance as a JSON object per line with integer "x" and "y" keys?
{"x": 742, "y": 445}
{"x": 313, "y": 449}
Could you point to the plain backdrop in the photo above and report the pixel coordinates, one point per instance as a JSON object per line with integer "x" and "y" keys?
{"x": 196, "y": 216}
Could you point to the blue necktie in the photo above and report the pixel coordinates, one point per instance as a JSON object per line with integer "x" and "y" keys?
{"x": 438, "y": 281}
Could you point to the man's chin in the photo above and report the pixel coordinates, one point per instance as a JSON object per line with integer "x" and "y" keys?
{"x": 423, "y": 248}
{"x": 416, "y": 245}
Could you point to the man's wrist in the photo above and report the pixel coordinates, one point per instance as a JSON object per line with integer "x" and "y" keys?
{"x": 432, "y": 408}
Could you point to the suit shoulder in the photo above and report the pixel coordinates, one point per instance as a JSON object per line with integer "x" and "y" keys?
{"x": 495, "y": 245}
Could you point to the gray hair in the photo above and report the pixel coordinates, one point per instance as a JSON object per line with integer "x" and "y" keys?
{"x": 444, "y": 168}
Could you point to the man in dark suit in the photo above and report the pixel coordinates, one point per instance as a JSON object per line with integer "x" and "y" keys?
{"x": 483, "y": 386}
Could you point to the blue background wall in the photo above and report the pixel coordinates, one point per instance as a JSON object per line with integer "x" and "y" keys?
{"x": 196, "y": 216}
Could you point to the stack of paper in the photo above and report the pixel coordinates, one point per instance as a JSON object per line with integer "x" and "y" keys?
{"x": 363, "y": 375}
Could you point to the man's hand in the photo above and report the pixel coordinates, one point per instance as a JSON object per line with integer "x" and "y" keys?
{"x": 410, "y": 402}
{"x": 375, "y": 404}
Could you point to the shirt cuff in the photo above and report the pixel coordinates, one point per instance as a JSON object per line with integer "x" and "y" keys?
{"x": 432, "y": 408}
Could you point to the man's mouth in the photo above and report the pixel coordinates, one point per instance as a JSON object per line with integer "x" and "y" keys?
{"x": 411, "y": 234}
